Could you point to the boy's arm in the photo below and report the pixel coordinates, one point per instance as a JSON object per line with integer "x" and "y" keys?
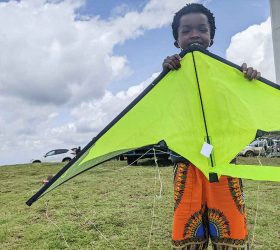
{"x": 173, "y": 63}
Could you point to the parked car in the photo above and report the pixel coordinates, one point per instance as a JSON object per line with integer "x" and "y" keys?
{"x": 144, "y": 153}
{"x": 257, "y": 147}
{"x": 56, "y": 155}
{"x": 275, "y": 149}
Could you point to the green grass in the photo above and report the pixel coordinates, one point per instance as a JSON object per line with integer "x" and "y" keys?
{"x": 112, "y": 207}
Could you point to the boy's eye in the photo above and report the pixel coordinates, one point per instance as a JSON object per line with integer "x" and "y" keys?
{"x": 184, "y": 31}
{"x": 203, "y": 29}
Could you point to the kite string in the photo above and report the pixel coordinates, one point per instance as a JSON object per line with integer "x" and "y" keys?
{"x": 122, "y": 168}
{"x": 157, "y": 177}
{"x": 157, "y": 173}
{"x": 141, "y": 156}
{"x": 79, "y": 212}
{"x": 52, "y": 222}
{"x": 255, "y": 219}
{"x": 88, "y": 220}
{"x": 257, "y": 207}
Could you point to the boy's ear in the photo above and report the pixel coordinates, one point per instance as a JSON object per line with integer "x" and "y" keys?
{"x": 176, "y": 45}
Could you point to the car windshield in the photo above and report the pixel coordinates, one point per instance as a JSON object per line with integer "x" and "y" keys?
{"x": 258, "y": 143}
{"x": 50, "y": 153}
{"x": 254, "y": 143}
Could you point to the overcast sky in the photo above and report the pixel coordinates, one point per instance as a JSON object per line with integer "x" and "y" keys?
{"x": 67, "y": 68}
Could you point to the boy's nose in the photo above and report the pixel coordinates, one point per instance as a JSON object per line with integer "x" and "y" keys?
{"x": 195, "y": 34}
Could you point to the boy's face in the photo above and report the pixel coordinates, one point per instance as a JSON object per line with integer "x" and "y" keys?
{"x": 193, "y": 29}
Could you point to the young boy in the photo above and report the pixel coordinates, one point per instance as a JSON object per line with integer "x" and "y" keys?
{"x": 203, "y": 209}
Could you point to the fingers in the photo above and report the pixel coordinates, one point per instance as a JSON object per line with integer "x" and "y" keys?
{"x": 253, "y": 75}
{"x": 244, "y": 67}
{"x": 250, "y": 73}
{"x": 172, "y": 62}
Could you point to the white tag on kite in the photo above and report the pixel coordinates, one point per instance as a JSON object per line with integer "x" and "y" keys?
{"x": 206, "y": 149}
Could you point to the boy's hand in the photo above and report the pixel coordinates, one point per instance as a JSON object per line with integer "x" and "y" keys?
{"x": 172, "y": 62}
{"x": 250, "y": 73}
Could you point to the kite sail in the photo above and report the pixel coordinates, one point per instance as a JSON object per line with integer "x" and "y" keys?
{"x": 206, "y": 111}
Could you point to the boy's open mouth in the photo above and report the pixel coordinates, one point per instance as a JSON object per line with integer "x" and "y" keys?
{"x": 195, "y": 44}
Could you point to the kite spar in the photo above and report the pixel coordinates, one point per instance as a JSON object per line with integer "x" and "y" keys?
{"x": 207, "y": 106}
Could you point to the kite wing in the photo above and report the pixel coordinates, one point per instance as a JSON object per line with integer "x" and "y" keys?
{"x": 207, "y": 100}
{"x": 235, "y": 109}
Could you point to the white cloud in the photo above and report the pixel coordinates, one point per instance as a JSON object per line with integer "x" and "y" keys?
{"x": 156, "y": 14}
{"x": 54, "y": 64}
{"x": 33, "y": 133}
{"x": 47, "y": 56}
{"x": 120, "y": 10}
{"x": 254, "y": 46}
{"x": 92, "y": 116}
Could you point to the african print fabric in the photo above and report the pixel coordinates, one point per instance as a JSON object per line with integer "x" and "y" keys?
{"x": 204, "y": 210}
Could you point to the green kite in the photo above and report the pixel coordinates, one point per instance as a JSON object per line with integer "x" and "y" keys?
{"x": 206, "y": 112}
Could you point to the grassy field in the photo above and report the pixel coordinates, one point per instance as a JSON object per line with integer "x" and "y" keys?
{"x": 113, "y": 207}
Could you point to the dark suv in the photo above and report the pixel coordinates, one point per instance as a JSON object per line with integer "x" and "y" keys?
{"x": 146, "y": 152}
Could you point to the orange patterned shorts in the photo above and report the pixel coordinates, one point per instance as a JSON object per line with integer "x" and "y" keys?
{"x": 203, "y": 209}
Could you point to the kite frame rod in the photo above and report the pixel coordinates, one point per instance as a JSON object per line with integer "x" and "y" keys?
{"x": 213, "y": 178}
{"x": 126, "y": 110}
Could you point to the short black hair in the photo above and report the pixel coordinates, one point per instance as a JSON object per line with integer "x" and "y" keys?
{"x": 193, "y": 8}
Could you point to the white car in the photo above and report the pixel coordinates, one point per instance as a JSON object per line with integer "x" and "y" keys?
{"x": 257, "y": 147}
{"x": 56, "y": 155}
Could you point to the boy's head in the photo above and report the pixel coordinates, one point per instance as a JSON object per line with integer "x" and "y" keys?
{"x": 193, "y": 24}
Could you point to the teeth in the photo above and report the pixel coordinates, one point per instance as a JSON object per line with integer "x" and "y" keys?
{"x": 197, "y": 44}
